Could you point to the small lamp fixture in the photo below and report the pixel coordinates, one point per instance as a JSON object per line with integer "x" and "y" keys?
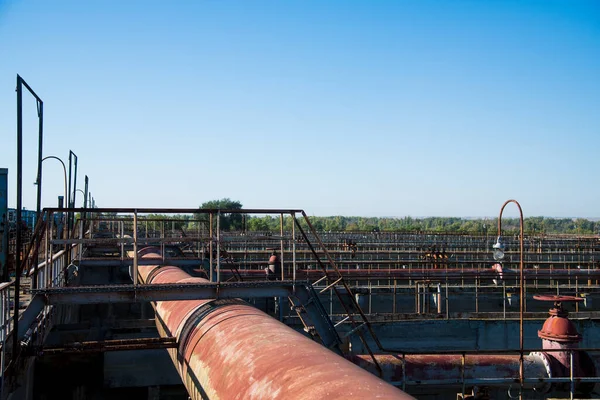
{"x": 498, "y": 249}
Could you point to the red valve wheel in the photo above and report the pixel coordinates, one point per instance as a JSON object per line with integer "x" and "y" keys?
{"x": 555, "y": 298}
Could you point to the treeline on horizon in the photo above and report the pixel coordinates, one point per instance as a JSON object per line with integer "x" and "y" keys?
{"x": 474, "y": 226}
{"x": 270, "y": 223}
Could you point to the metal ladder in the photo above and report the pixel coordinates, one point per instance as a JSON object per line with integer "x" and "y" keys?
{"x": 228, "y": 261}
{"x": 332, "y": 277}
{"x": 305, "y": 302}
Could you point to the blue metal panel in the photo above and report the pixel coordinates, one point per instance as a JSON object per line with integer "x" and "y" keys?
{"x": 3, "y": 221}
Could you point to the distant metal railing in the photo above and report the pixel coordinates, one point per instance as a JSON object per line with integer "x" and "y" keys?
{"x": 51, "y": 274}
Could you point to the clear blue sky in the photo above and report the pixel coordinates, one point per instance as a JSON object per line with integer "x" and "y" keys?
{"x": 372, "y": 108}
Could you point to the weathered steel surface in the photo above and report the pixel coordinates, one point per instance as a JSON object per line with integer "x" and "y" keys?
{"x": 559, "y": 329}
{"x": 231, "y": 350}
{"x": 447, "y": 370}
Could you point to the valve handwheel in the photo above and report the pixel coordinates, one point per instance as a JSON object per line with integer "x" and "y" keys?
{"x": 555, "y": 298}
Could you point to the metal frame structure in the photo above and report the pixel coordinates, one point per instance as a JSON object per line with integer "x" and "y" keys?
{"x": 40, "y": 111}
{"x": 53, "y": 274}
{"x": 52, "y": 277}
{"x": 303, "y": 299}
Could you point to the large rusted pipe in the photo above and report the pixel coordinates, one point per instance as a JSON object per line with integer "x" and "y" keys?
{"x": 231, "y": 350}
{"x": 451, "y": 370}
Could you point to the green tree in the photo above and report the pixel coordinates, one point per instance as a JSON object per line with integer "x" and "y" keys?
{"x": 259, "y": 224}
{"x": 229, "y": 221}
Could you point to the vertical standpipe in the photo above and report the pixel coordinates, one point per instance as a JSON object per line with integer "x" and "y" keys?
{"x": 228, "y": 349}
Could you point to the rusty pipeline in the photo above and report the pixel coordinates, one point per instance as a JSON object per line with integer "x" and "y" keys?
{"x": 452, "y": 370}
{"x": 228, "y": 349}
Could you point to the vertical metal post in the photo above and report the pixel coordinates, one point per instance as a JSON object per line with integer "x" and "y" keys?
{"x": 447, "y": 300}
{"x": 462, "y": 373}
{"x": 521, "y": 303}
{"x": 476, "y": 294}
{"x": 576, "y": 292}
{"x": 524, "y": 294}
{"x": 210, "y": 246}
{"x": 572, "y": 386}
{"x": 293, "y": 247}
{"x": 4, "y": 228}
{"x": 40, "y": 109}
{"x": 85, "y": 199}
{"x": 163, "y": 236}
{"x": 199, "y": 242}
{"x": 69, "y": 198}
{"x": 281, "y": 266}
{"x": 48, "y": 237}
{"x": 282, "y": 251}
{"x": 219, "y": 246}
{"x": 85, "y": 202}
{"x": 75, "y": 182}
{"x": 439, "y": 298}
{"x": 426, "y": 299}
{"x": 122, "y": 239}
{"x": 92, "y": 216}
{"x": 503, "y": 299}
{"x": 403, "y": 372}
{"x": 15, "y": 344}
{"x": 370, "y": 288}
{"x": 50, "y": 258}
{"x": 416, "y": 297}
{"x": 81, "y": 232}
{"x": 72, "y": 189}
{"x": 394, "y": 298}
{"x": 135, "y": 252}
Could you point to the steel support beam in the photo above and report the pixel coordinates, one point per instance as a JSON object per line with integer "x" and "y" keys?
{"x": 108, "y": 345}
{"x": 163, "y": 292}
{"x": 189, "y": 210}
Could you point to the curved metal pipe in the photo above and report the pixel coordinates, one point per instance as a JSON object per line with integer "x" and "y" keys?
{"x": 231, "y": 350}
{"x": 521, "y": 277}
